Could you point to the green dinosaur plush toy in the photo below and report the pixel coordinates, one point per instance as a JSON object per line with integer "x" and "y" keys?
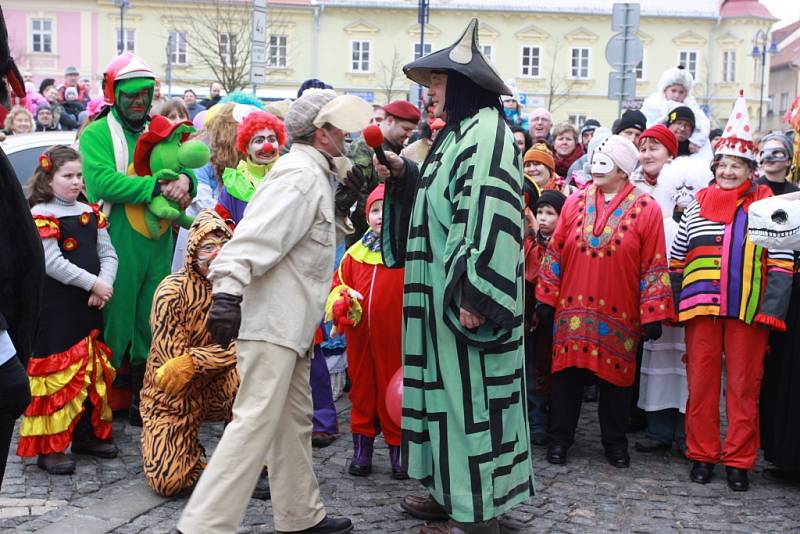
{"x": 164, "y": 152}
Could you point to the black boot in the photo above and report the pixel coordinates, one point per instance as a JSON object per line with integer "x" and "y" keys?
{"x": 137, "y": 380}
{"x": 85, "y": 442}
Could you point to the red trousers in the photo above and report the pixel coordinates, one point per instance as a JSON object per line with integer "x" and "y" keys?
{"x": 371, "y": 364}
{"x": 744, "y": 347}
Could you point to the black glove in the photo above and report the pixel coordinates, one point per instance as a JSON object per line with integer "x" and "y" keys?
{"x": 652, "y": 331}
{"x": 224, "y": 318}
{"x": 355, "y": 179}
{"x": 545, "y": 314}
{"x": 344, "y": 199}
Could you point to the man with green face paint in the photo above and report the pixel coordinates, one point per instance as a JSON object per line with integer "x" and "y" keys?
{"x": 107, "y": 148}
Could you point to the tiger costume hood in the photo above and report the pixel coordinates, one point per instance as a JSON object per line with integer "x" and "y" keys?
{"x": 207, "y": 221}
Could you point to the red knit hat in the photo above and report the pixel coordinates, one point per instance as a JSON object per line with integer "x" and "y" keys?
{"x": 403, "y": 110}
{"x": 376, "y": 195}
{"x": 663, "y": 135}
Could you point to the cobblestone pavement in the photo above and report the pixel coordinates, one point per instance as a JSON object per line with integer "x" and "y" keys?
{"x": 586, "y": 495}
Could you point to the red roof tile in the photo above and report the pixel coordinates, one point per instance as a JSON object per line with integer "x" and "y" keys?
{"x": 745, "y": 8}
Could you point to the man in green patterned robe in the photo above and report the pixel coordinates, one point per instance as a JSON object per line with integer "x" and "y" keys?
{"x": 456, "y": 225}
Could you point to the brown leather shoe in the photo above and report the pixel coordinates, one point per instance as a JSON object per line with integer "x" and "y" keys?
{"x": 321, "y": 439}
{"x": 57, "y": 463}
{"x": 452, "y": 527}
{"x": 424, "y": 507}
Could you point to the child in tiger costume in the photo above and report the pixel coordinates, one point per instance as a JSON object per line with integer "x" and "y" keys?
{"x": 189, "y": 379}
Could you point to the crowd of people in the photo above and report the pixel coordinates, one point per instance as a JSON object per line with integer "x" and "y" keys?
{"x": 502, "y": 268}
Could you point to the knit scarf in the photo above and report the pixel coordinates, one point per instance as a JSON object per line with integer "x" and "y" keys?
{"x": 719, "y": 205}
{"x": 563, "y": 162}
{"x": 372, "y": 241}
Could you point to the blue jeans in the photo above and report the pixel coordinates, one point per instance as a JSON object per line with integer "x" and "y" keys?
{"x": 538, "y": 405}
{"x": 667, "y": 426}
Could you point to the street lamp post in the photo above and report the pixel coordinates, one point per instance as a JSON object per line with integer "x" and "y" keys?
{"x": 122, "y": 5}
{"x": 422, "y": 17}
{"x": 760, "y": 50}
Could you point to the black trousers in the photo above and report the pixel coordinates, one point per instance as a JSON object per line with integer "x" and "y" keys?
{"x": 15, "y": 397}
{"x": 565, "y": 408}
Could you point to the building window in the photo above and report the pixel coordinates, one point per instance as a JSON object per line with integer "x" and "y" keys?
{"x": 757, "y": 69}
{"x": 177, "y": 45}
{"x": 784, "y": 103}
{"x": 360, "y": 56}
{"x": 729, "y": 66}
{"x": 128, "y": 42}
{"x": 426, "y": 49}
{"x": 227, "y": 48}
{"x": 277, "y": 51}
{"x": 771, "y": 105}
{"x": 530, "y": 61}
{"x": 42, "y": 35}
{"x": 577, "y": 120}
{"x": 488, "y": 51}
{"x": 688, "y": 58}
{"x": 579, "y": 65}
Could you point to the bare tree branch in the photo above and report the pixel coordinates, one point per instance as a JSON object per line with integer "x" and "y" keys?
{"x": 390, "y": 75}
{"x": 559, "y": 87}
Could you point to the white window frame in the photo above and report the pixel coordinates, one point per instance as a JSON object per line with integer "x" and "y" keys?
{"x": 686, "y": 61}
{"x": 530, "y": 66}
{"x": 729, "y": 66}
{"x": 577, "y": 120}
{"x": 488, "y": 52}
{"x": 42, "y": 33}
{"x": 640, "y": 69}
{"x": 757, "y": 69}
{"x": 588, "y": 61}
{"x": 129, "y": 43}
{"x": 784, "y": 106}
{"x": 227, "y": 54}
{"x": 179, "y": 42}
{"x": 427, "y": 49}
{"x": 278, "y": 51}
{"x": 357, "y": 64}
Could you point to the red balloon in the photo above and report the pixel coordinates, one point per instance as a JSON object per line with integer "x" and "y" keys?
{"x": 394, "y": 397}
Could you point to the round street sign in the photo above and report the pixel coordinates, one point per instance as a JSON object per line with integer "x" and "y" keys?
{"x": 617, "y": 55}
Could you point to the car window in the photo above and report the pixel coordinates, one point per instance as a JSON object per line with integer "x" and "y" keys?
{"x": 25, "y": 162}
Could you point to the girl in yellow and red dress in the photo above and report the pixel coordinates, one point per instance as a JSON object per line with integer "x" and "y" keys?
{"x": 69, "y": 371}
{"x": 374, "y": 340}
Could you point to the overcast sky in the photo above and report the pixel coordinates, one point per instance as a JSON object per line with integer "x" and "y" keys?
{"x": 786, "y": 10}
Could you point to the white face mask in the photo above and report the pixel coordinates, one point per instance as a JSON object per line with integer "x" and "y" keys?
{"x": 601, "y": 163}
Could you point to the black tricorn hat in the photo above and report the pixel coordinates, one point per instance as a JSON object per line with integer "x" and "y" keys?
{"x": 8, "y": 69}
{"x": 463, "y": 56}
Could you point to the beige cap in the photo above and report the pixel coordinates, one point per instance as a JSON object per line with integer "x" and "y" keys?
{"x": 317, "y": 107}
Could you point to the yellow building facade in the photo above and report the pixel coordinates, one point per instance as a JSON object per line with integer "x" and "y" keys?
{"x": 552, "y": 52}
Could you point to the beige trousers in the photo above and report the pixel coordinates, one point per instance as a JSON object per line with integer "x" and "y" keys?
{"x": 271, "y": 424}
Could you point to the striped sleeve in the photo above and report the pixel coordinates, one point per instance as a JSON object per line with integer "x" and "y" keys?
{"x": 677, "y": 255}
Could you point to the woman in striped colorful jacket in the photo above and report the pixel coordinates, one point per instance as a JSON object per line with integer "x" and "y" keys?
{"x": 729, "y": 293}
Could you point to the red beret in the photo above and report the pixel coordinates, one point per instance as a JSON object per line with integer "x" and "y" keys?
{"x": 663, "y": 135}
{"x": 403, "y": 110}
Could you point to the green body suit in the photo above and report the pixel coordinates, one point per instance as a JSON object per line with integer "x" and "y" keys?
{"x": 456, "y": 225}
{"x": 143, "y": 262}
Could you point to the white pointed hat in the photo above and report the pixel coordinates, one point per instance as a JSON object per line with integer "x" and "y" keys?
{"x": 737, "y": 137}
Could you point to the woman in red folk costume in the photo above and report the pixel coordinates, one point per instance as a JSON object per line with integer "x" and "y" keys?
{"x": 609, "y": 229}
{"x": 366, "y": 304}
{"x": 729, "y": 293}
{"x": 260, "y": 137}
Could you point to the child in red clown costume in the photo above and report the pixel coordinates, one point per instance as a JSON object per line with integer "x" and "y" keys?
{"x": 259, "y": 137}
{"x": 366, "y": 304}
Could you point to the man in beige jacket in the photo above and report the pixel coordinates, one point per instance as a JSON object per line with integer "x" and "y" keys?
{"x": 272, "y": 278}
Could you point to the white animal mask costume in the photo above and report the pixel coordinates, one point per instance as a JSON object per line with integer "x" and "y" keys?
{"x": 774, "y": 222}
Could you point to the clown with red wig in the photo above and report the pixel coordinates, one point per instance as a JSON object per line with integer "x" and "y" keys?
{"x": 259, "y": 137}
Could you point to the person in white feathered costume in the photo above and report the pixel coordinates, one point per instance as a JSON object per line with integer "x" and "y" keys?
{"x": 675, "y": 89}
{"x": 663, "y": 388}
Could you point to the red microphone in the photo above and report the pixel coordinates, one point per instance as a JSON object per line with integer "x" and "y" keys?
{"x": 373, "y": 136}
